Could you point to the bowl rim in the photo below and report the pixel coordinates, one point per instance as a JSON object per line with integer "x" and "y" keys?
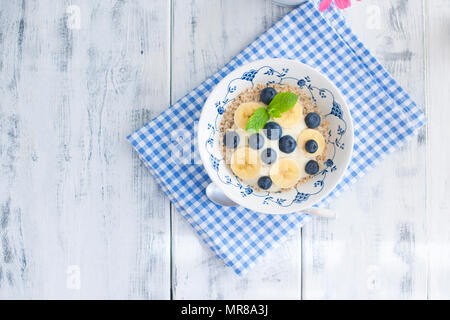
{"x": 241, "y": 201}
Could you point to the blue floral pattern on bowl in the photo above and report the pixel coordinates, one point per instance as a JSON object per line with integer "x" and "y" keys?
{"x": 329, "y": 102}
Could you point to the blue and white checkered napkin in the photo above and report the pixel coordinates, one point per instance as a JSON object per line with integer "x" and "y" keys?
{"x": 384, "y": 116}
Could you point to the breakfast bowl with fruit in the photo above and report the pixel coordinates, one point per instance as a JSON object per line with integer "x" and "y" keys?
{"x": 275, "y": 136}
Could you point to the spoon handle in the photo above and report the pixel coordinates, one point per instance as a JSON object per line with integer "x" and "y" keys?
{"x": 321, "y": 212}
{"x": 289, "y": 3}
{"x": 217, "y": 196}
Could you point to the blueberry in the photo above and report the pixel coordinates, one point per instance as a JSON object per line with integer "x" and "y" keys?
{"x": 312, "y": 120}
{"x": 273, "y": 130}
{"x": 256, "y": 141}
{"x": 231, "y": 139}
{"x": 312, "y": 167}
{"x": 287, "y": 144}
{"x": 267, "y": 94}
{"x": 264, "y": 183}
{"x": 269, "y": 156}
{"x": 311, "y": 146}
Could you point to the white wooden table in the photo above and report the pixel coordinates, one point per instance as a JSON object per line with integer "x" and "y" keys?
{"x": 80, "y": 217}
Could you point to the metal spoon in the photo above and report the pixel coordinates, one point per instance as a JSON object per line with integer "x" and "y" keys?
{"x": 217, "y": 196}
{"x": 289, "y": 3}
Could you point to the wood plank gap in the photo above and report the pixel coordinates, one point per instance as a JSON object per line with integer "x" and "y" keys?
{"x": 301, "y": 263}
{"x": 171, "y": 102}
{"x": 425, "y": 12}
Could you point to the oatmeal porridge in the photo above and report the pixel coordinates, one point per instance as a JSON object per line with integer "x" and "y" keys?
{"x": 273, "y": 137}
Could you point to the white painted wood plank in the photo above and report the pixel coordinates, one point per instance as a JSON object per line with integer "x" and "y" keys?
{"x": 74, "y": 197}
{"x": 438, "y": 185}
{"x": 206, "y": 35}
{"x": 376, "y": 249}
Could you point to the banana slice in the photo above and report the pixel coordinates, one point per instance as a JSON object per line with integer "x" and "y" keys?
{"x": 291, "y": 117}
{"x": 285, "y": 173}
{"x": 245, "y": 163}
{"x": 244, "y": 112}
{"x": 311, "y": 134}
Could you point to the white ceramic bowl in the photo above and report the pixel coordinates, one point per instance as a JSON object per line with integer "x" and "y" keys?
{"x": 330, "y": 103}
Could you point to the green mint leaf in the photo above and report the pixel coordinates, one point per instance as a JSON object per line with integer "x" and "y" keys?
{"x": 257, "y": 120}
{"x": 274, "y": 113}
{"x": 282, "y": 102}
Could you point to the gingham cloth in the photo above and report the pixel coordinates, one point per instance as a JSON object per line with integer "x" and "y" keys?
{"x": 384, "y": 116}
